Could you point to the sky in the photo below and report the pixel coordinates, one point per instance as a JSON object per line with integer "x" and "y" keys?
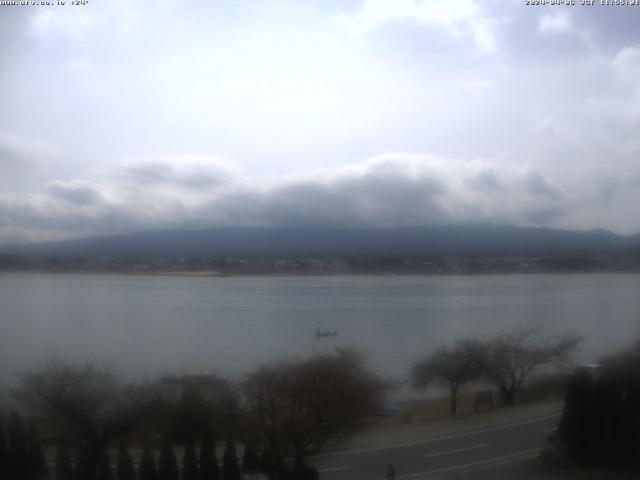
{"x": 120, "y": 116}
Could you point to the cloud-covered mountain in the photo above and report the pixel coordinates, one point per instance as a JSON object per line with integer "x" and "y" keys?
{"x": 368, "y": 113}
{"x": 456, "y": 239}
{"x": 392, "y": 190}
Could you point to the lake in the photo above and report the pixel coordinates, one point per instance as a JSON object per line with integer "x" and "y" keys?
{"x": 153, "y": 324}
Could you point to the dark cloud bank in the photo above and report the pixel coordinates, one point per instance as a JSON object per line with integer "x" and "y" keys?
{"x": 395, "y": 190}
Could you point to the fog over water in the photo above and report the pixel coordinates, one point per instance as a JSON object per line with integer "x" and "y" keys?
{"x": 229, "y": 325}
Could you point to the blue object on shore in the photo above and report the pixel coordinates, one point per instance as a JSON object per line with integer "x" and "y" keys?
{"x": 388, "y": 408}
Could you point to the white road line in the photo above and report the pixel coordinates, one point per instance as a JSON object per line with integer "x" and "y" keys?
{"x": 334, "y": 469}
{"x": 424, "y": 442}
{"x": 466, "y": 465}
{"x": 456, "y": 450}
{"x": 550, "y": 430}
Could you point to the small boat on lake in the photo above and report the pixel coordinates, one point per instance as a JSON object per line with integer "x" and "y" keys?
{"x": 326, "y": 333}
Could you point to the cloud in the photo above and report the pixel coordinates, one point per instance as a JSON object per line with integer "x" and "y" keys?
{"x": 60, "y": 23}
{"x": 460, "y": 18}
{"x": 12, "y": 157}
{"x": 80, "y": 65}
{"x": 127, "y": 17}
{"x": 486, "y": 180}
{"x": 78, "y": 192}
{"x": 395, "y": 189}
{"x": 527, "y": 136}
{"x": 556, "y": 22}
{"x": 189, "y": 172}
{"x": 80, "y": 24}
{"x": 381, "y": 192}
{"x": 475, "y": 85}
{"x": 20, "y": 152}
{"x": 542, "y": 215}
{"x": 538, "y": 185}
{"x": 627, "y": 63}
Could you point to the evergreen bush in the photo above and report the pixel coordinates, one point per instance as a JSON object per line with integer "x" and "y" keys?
{"x": 230, "y": 466}
{"x": 189, "y": 462}
{"x": 147, "y": 467}
{"x": 64, "y": 468}
{"x": 168, "y": 469}
{"x": 125, "y": 469}
{"x": 209, "y": 469}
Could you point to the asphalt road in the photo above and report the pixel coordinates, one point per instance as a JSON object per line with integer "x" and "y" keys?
{"x": 445, "y": 455}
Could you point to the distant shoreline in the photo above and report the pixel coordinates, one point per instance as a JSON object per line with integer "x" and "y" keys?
{"x": 216, "y": 274}
{"x": 160, "y": 273}
{"x": 185, "y": 273}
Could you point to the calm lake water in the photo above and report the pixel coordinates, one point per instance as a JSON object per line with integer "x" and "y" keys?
{"x": 149, "y": 325}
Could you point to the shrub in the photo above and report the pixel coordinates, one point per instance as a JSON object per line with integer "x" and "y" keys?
{"x": 209, "y": 469}
{"x": 63, "y": 468}
{"x": 230, "y": 467}
{"x": 38, "y": 469}
{"x": 125, "y": 469}
{"x": 189, "y": 462}
{"x": 147, "y": 467}
{"x": 168, "y": 469}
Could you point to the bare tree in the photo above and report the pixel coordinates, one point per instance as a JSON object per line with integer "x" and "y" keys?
{"x": 168, "y": 464}
{"x": 125, "y": 469}
{"x": 189, "y": 461}
{"x": 301, "y": 408}
{"x": 147, "y": 465}
{"x": 63, "y": 468}
{"x": 4, "y": 453}
{"x": 230, "y": 465}
{"x": 208, "y": 462}
{"x": 188, "y": 405}
{"x": 512, "y": 358}
{"x": 38, "y": 469}
{"x": 88, "y": 406}
{"x": 18, "y": 458}
{"x": 454, "y": 367}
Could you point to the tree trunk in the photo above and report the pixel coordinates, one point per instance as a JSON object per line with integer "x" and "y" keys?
{"x": 508, "y": 395}
{"x": 302, "y": 471}
{"x": 454, "y": 400}
{"x": 298, "y": 461}
{"x": 88, "y": 461}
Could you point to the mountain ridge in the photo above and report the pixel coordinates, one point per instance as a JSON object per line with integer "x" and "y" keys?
{"x": 444, "y": 239}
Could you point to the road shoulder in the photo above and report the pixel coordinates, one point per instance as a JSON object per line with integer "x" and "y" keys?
{"x": 388, "y": 434}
